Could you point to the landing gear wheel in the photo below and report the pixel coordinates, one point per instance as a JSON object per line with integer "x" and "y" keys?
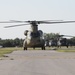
{"x": 34, "y": 48}
{"x": 25, "y": 48}
{"x": 43, "y": 48}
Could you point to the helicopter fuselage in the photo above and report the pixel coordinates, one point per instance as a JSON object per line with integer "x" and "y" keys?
{"x": 34, "y": 38}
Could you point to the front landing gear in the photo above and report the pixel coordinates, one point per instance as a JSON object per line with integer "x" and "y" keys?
{"x": 43, "y": 48}
{"x": 25, "y": 48}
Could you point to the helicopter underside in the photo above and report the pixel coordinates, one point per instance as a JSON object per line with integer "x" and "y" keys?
{"x": 34, "y": 43}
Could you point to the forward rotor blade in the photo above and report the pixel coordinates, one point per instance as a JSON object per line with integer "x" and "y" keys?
{"x": 15, "y": 25}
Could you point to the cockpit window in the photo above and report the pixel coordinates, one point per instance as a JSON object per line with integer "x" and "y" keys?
{"x": 37, "y": 34}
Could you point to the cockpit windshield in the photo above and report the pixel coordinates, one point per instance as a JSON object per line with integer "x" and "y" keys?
{"x": 34, "y": 35}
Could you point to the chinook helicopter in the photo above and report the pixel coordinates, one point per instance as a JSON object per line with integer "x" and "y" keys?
{"x": 57, "y": 40}
{"x": 34, "y": 37}
{"x": 61, "y": 41}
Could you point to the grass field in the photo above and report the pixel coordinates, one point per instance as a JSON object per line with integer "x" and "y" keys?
{"x": 64, "y": 49}
{"x": 9, "y": 50}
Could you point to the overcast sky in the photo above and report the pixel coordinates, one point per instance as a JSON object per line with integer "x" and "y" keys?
{"x": 37, "y": 10}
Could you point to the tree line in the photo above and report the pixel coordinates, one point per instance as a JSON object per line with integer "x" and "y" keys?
{"x": 11, "y": 42}
{"x": 56, "y": 37}
{"x": 47, "y": 36}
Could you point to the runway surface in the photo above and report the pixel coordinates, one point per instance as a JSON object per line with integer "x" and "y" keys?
{"x": 38, "y": 62}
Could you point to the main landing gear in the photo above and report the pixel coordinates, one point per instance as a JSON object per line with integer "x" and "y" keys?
{"x": 25, "y": 48}
{"x": 43, "y": 48}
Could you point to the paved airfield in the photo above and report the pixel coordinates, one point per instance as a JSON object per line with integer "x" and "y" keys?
{"x": 38, "y": 62}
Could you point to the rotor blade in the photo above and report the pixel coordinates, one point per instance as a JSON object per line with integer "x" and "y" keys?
{"x": 39, "y": 22}
{"x": 49, "y": 20}
{"x": 15, "y": 25}
{"x": 12, "y": 21}
{"x": 6, "y": 22}
{"x": 58, "y": 22}
{"x": 67, "y": 35}
{"x": 17, "y": 21}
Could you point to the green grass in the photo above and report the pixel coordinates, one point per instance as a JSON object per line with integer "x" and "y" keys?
{"x": 11, "y": 49}
{"x": 8, "y": 50}
{"x": 65, "y": 49}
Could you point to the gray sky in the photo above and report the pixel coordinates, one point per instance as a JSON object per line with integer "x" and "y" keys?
{"x": 37, "y": 10}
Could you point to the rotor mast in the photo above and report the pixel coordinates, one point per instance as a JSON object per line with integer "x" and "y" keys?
{"x": 34, "y": 27}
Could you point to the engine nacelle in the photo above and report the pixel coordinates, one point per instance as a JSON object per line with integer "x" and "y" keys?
{"x": 41, "y": 32}
{"x": 25, "y": 32}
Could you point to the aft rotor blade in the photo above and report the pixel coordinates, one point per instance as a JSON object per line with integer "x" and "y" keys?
{"x": 57, "y": 22}
{"x": 15, "y": 25}
{"x": 42, "y": 21}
